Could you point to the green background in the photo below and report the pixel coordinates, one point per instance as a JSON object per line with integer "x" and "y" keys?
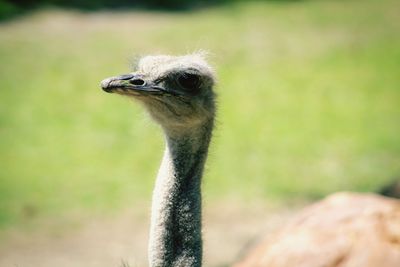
{"x": 308, "y": 93}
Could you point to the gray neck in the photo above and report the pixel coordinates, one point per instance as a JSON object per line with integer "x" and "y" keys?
{"x": 175, "y": 233}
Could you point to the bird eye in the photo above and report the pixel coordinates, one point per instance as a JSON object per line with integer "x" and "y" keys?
{"x": 189, "y": 82}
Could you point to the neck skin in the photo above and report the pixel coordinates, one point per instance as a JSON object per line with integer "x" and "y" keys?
{"x": 175, "y": 233}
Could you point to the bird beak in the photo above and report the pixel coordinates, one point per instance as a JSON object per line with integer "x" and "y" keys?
{"x": 129, "y": 83}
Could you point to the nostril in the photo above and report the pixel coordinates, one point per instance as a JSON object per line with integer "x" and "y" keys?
{"x": 137, "y": 82}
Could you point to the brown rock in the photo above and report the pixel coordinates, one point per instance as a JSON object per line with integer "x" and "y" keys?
{"x": 345, "y": 229}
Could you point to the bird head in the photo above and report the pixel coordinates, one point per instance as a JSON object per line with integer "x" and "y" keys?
{"x": 177, "y": 91}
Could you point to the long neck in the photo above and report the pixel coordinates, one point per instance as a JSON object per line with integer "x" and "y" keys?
{"x": 175, "y": 233}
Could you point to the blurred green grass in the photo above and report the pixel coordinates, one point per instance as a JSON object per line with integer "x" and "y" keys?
{"x": 309, "y": 103}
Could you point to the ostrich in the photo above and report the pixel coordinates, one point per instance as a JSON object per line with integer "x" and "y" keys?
{"x": 344, "y": 230}
{"x": 178, "y": 93}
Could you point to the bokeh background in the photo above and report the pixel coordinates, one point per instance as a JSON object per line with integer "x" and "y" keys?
{"x": 309, "y": 104}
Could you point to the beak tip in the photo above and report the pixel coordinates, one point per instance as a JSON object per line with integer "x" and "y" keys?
{"x": 105, "y": 85}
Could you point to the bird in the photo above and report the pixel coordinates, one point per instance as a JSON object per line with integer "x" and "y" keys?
{"x": 177, "y": 92}
{"x": 344, "y": 229}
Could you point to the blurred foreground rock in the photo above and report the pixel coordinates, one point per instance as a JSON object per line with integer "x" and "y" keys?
{"x": 345, "y": 229}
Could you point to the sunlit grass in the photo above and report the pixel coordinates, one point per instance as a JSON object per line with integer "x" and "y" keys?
{"x": 308, "y": 103}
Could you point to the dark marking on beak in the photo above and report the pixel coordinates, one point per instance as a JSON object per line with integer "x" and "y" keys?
{"x": 132, "y": 82}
